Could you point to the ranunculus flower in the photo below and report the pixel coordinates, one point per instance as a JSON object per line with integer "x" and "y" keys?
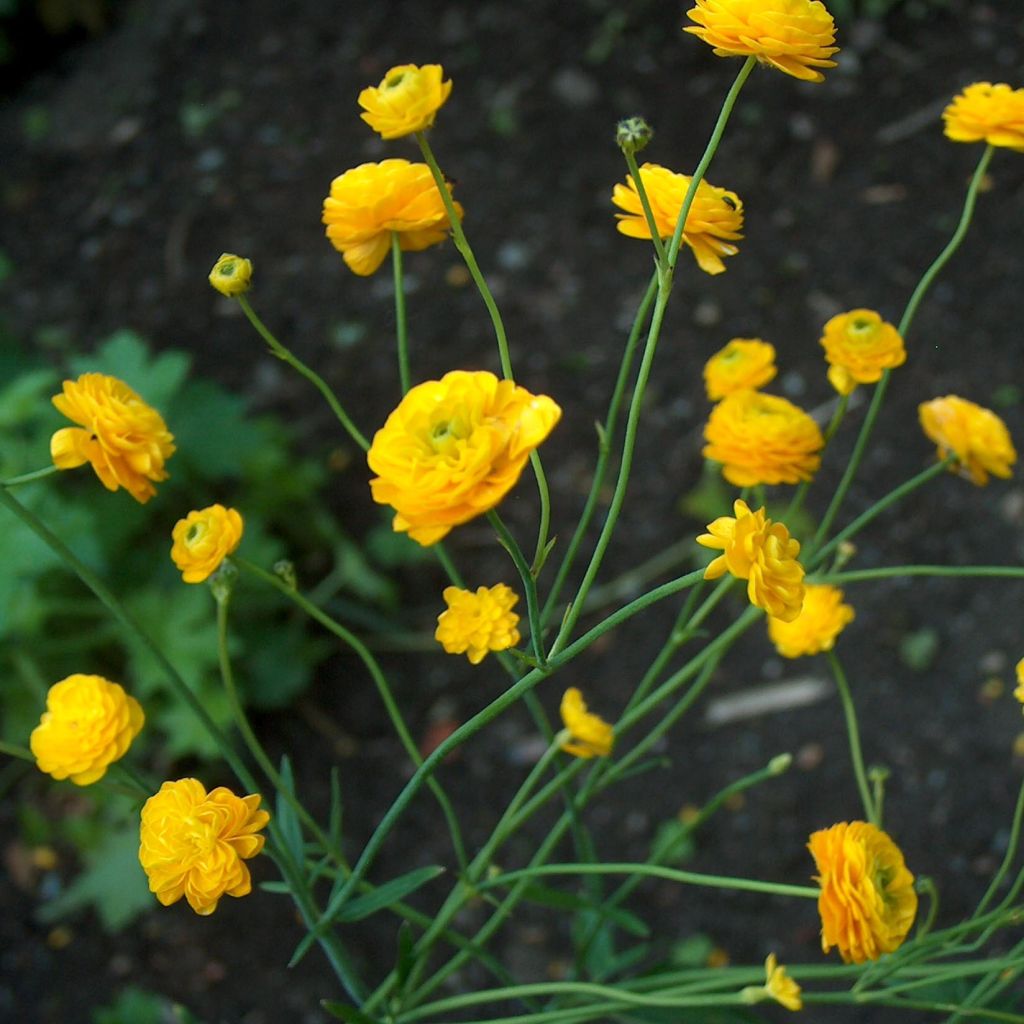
{"x": 478, "y": 622}
{"x": 453, "y": 448}
{"x": 822, "y": 618}
{"x": 195, "y": 844}
{"x": 370, "y": 202}
{"x": 89, "y": 723}
{"x": 406, "y": 101}
{"x": 975, "y": 435}
{"x": 203, "y": 539}
{"x": 713, "y": 223}
{"x": 743, "y": 364}
{"x": 984, "y": 112}
{"x": 589, "y": 735}
{"x": 859, "y": 346}
{"x": 231, "y": 275}
{"x": 795, "y": 36}
{"x": 124, "y": 440}
{"x": 867, "y": 901}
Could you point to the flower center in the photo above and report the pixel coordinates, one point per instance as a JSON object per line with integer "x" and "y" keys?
{"x": 194, "y": 533}
{"x": 861, "y": 329}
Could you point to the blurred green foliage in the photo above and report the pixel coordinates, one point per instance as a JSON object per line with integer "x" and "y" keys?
{"x": 136, "y": 1006}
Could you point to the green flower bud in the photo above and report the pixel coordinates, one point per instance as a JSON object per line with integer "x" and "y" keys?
{"x": 633, "y": 134}
{"x": 231, "y": 275}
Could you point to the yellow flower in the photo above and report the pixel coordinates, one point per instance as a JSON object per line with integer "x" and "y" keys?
{"x": 867, "y": 901}
{"x": 477, "y": 623}
{"x": 859, "y": 345}
{"x": 203, "y": 539}
{"x": 760, "y": 552}
{"x": 231, "y": 275}
{"x": 369, "y": 202}
{"x": 715, "y": 218}
{"x": 795, "y": 36}
{"x": 1019, "y": 691}
{"x": 454, "y": 448}
{"x": 984, "y": 112}
{"x": 821, "y": 620}
{"x": 743, "y": 363}
{"x": 193, "y": 843}
{"x": 589, "y": 735}
{"x": 976, "y": 436}
{"x": 762, "y": 439}
{"x": 125, "y": 440}
{"x": 406, "y": 101}
{"x": 89, "y": 723}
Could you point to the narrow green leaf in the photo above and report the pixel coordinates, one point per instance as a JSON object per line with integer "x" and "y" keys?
{"x": 403, "y": 965}
{"x": 342, "y": 1011}
{"x": 287, "y": 819}
{"x": 561, "y": 900}
{"x": 387, "y": 894}
{"x": 280, "y": 888}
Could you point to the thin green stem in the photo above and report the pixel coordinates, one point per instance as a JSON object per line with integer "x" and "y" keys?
{"x": 853, "y": 735}
{"x": 1013, "y": 572}
{"x": 13, "y": 750}
{"x": 314, "y": 378}
{"x": 508, "y": 542}
{"x": 401, "y": 325}
{"x": 27, "y": 478}
{"x": 544, "y": 526}
{"x": 645, "y": 202}
{"x": 1008, "y": 856}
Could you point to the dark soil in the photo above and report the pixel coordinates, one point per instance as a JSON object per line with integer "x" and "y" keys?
{"x": 188, "y": 129}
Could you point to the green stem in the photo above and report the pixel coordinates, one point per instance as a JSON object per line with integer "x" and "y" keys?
{"x": 544, "y": 527}
{"x": 12, "y": 750}
{"x": 853, "y": 735}
{"x": 645, "y": 202}
{"x": 1008, "y": 856}
{"x": 314, "y": 378}
{"x": 901, "y": 571}
{"x": 401, "y": 326}
{"x": 508, "y": 542}
{"x": 27, "y": 478}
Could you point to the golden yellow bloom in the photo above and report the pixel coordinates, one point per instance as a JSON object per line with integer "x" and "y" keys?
{"x": 590, "y": 735}
{"x": 795, "y": 36}
{"x": 477, "y": 623}
{"x": 369, "y": 202}
{"x": 193, "y": 843}
{"x": 454, "y": 448}
{"x": 762, "y": 439}
{"x": 203, "y": 539}
{"x": 761, "y": 552}
{"x": 231, "y": 275}
{"x": 976, "y": 436}
{"x": 714, "y": 221}
{"x": 1019, "y": 691}
{"x": 984, "y": 112}
{"x": 89, "y": 723}
{"x": 867, "y": 901}
{"x": 822, "y": 618}
{"x": 780, "y": 986}
{"x": 125, "y": 440}
{"x": 859, "y": 345}
{"x": 406, "y": 101}
{"x": 745, "y": 363}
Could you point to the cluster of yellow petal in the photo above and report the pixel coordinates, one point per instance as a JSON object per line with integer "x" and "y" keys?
{"x": 744, "y": 363}
{"x": 821, "y": 620}
{"x": 194, "y": 843}
{"x": 867, "y": 901}
{"x": 124, "y": 440}
{"x": 589, "y": 734}
{"x": 859, "y": 345}
{"x": 1019, "y": 691}
{"x": 453, "y": 448}
{"x": 203, "y": 539}
{"x": 984, "y": 112}
{"x": 975, "y": 435}
{"x": 89, "y": 723}
{"x": 762, "y": 439}
{"x": 714, "y": 220}
{"x": 795, "y": 36}
{"x": 231, "y": 275}
{"x": 406, "y": 101}
{"x": 370, "y": 202}
{"x": 761, "y": 552}
{"x": 476, "y": 623}
{"x": 780, "y": 986}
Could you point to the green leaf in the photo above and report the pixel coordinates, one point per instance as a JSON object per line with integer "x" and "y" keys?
{"x": 406, "y": 957}
{"x": 561, "y": 900}
{"x": 346, "y": 1013}
{"x": 385, "y": 895}
{"x": 287, "y": 819}
{"x": 135, "y": 1006}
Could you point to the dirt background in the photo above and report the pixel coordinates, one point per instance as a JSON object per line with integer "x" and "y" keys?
{"x": 133, "y": 159}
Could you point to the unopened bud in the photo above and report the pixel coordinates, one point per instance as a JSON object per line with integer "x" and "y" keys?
{"x": 223, "y": 580}
{"x": 779, "y": 764}
{"x": 231, "y": 275}
{"x": 633, "y": 134}
{"x": 285, "y": 569}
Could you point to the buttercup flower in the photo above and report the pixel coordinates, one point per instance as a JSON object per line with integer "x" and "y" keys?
{"x": 714, "y": 221}
{"x": 369, "y": 202}
{"x": 795, "y": 36}
{"x": 89, "y": 723}
{"x": 761, "y": 552}
{"x": 745, "y": 363}
{"x": 476, "y": 623}
{"x": 454, "y": 448}
{"x": 867, "y": 901}
{"x": 859, "y": 345}
{"x": 194, "y": 843}
{"x": 984, "y": 112}
{"x": 406, "y": 101}
{"x": 590, "y": 735}
{"x": 231, "y": 275}
{"x": 203, "y": 539}
{"x": 762, "y": 439}
{"x": 1019, "y": 691}
{"x": 124, "y": 440}
{"x": 976, "y": 436}
{"x": 778, "y": 985}
{"x": 821, "y": 620}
